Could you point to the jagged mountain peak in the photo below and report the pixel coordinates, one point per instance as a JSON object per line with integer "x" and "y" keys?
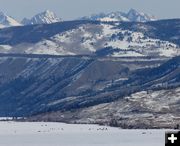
{"x": 46, "y": 17}
{"x": 7, "y": 21}
{"x": 48, "y": 13}
{"x": 134, "y": 15}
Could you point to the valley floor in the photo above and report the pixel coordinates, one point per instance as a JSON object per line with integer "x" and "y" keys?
{"x": 60, "y": 134}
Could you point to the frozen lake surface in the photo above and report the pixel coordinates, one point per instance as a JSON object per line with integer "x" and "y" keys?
{"x": 60, "y": 134}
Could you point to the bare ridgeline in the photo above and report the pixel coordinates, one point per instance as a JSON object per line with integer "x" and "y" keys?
{"x": 124, "y": 74}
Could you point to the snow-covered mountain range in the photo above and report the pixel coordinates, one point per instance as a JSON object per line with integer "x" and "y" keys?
{"x": 48, "y": 17}
{"x": 132, "y": 16}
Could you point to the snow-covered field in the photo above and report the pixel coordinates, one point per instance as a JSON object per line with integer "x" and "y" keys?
{"x": 60, "y": 134}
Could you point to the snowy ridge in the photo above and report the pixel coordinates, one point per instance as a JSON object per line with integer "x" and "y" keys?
{"x": 133, "y": 15}
{"x": 7, "y": 21}
{"x": 88, "y": 39}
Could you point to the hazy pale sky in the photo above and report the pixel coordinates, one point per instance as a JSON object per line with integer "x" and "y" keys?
{"x": 71, "y": 9}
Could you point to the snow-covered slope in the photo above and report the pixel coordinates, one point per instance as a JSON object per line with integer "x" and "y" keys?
{"x": 91, "y": 39}
{"x": 145, "y": 109}
{"x": 132, "y": 43}
{"x": 115, "y": 39}
{"x": 45, "y": 17}
{"x": 132, "y": 15}
{"x": 7, "y": 21}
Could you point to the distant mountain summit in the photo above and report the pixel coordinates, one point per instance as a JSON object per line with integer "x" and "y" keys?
{"x": 7, "y": 21}
{"x": 113, "y": 16}
{"x": 136, "y": 16}
{"x": 132, "y": 16}
{"x": 46, "y": 17}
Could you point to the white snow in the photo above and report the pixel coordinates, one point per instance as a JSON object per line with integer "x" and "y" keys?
{"x": 5, "y": 48}
{"x": 127, "y": 54}
{"x": 108, "y": 19}
{"x": 5, "y": 118}
{"x": 60, "y": 134}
